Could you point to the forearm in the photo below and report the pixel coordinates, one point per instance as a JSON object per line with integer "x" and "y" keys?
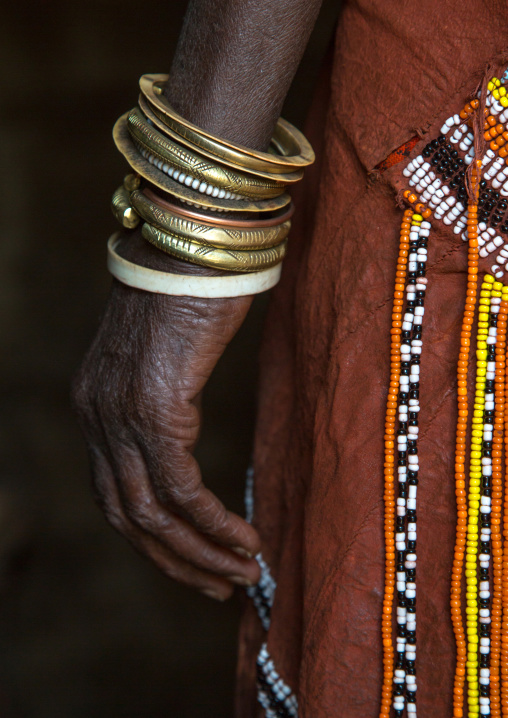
{"x": 235, "y": 62}
{"x": 231, "y": 72}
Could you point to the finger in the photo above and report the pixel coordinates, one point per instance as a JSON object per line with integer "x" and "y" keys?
{"x": 197, "y": 403}
{"x": 144, "y": 510}
{"x": 176, "y": 478}
{"x": 179, "y": 570}
{"x": 170, "y": 564}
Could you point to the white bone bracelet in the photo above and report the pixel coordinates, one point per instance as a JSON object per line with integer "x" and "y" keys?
{"x": 185, "y": 285}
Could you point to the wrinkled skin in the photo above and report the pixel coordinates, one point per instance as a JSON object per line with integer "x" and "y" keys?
{"x": 138, "y": 396}
{"x": 138, "y": 391}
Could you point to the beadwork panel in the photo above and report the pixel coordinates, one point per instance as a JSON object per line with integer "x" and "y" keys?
{"x": 459, "y": 179}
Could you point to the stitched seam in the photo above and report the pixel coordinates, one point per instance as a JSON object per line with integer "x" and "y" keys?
{"x": 347, "y": 139}
{"x": 437, "y": 412}
{"x": 373, "y": 312}
{"x": 447, "y": 254}
{"x": 477, "y": 75}
{"x": 326, "y": 586}
{"x": 330, "y": 581}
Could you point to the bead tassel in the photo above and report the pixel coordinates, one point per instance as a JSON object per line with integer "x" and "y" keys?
{"x": 481, "y": 625}
{"x": 504, "y": 595}
{"x": 497, "y": 498}
{"x": 475, "y": 473}
{"x": 389, "y": 466}
{"x": 404, "y": 682}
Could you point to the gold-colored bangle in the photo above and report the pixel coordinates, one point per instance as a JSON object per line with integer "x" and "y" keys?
{"x": 214, "y": 219}
{"x": 154, "y": 115}
{"x": 206, "y": 234}
{"x": 206, "y": 256}
{"x": 197, "y": 167}
{"x": 296, "y": 151}
{"x": 123, "y": 210}
{"x": 144, "y": 168}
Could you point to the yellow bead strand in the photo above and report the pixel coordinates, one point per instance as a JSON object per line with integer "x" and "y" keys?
{"x": 475, "y": 474}
{"x": 504, "y": 590}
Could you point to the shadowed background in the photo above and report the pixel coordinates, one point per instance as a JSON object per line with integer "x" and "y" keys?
{"x": 87, "y": 627}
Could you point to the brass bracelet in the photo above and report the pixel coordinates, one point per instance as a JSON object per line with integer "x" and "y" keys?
{"x": 123, "y": 210}
{"x": 214, "y": 219}
{"x": 206, "y": 234}
{"x": 232, "y": 260}
{"x": 151, "y": 173}
{"x": 153, "y": 115}
{"x": 199, "y": 169}
{"x": 296, "y": 151}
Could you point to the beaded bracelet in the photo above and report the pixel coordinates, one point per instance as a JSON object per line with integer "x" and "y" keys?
{"x": 152, "y": 169}
{"x": 200, "y": 173}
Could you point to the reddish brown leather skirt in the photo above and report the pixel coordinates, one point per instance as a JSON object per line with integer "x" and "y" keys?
{"x": 399, "y": 69}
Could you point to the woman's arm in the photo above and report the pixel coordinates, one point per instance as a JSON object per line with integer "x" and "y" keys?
{"x": 138, "y": 391}
{"x": 235, "y": 62}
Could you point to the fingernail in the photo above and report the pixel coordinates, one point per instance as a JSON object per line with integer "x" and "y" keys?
{"x": 211, "y": 594}
{"x": 242, "y": 552}
{"x": 241, "y": 580}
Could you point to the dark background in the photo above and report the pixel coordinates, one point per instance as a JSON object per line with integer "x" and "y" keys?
{"x": 87, "y": 627}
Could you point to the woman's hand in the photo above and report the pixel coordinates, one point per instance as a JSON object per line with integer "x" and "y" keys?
{"x": 138, "y": 391}
{"x": 138, "y": 397}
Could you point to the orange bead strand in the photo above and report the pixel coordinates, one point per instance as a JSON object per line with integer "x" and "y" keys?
{"x": 460, "y": 456}
{"x": 389, "y": 468}
{"x": 504, "y": 594}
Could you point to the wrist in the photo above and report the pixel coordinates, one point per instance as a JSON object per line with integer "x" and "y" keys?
{"x": 138, "y": 251}
{"x": 134, "y": 249}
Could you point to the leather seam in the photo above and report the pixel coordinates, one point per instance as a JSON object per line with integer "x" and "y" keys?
{"x": 437, "y": 411}
{"x": 330, "y": 582}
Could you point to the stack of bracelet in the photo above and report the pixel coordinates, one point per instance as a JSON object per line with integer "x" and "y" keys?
{"x": 184, "y": 178}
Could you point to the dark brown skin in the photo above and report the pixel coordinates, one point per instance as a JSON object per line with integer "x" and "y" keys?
{"x": 138, "y": 391}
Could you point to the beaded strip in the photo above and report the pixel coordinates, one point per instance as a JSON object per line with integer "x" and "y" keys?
{"x": 504, "y": 631}
{"x": 274, "y": 695}
{"x": 263, "y": 593}
{"x": 434, "y": 174}
{"x": 475, "y": 477}
{"x": 249, "y": 495}
{"x": 438, "y": 177}
{"x": 486, "y": 543}
{"x": 407, "y": 469}
{"x": 460, "y": 458}
{"x": 187, "y": 180}
{"x": 497, "y": 499}
{"x": 434, "y": 180}
{"x": 389, "y": 465}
